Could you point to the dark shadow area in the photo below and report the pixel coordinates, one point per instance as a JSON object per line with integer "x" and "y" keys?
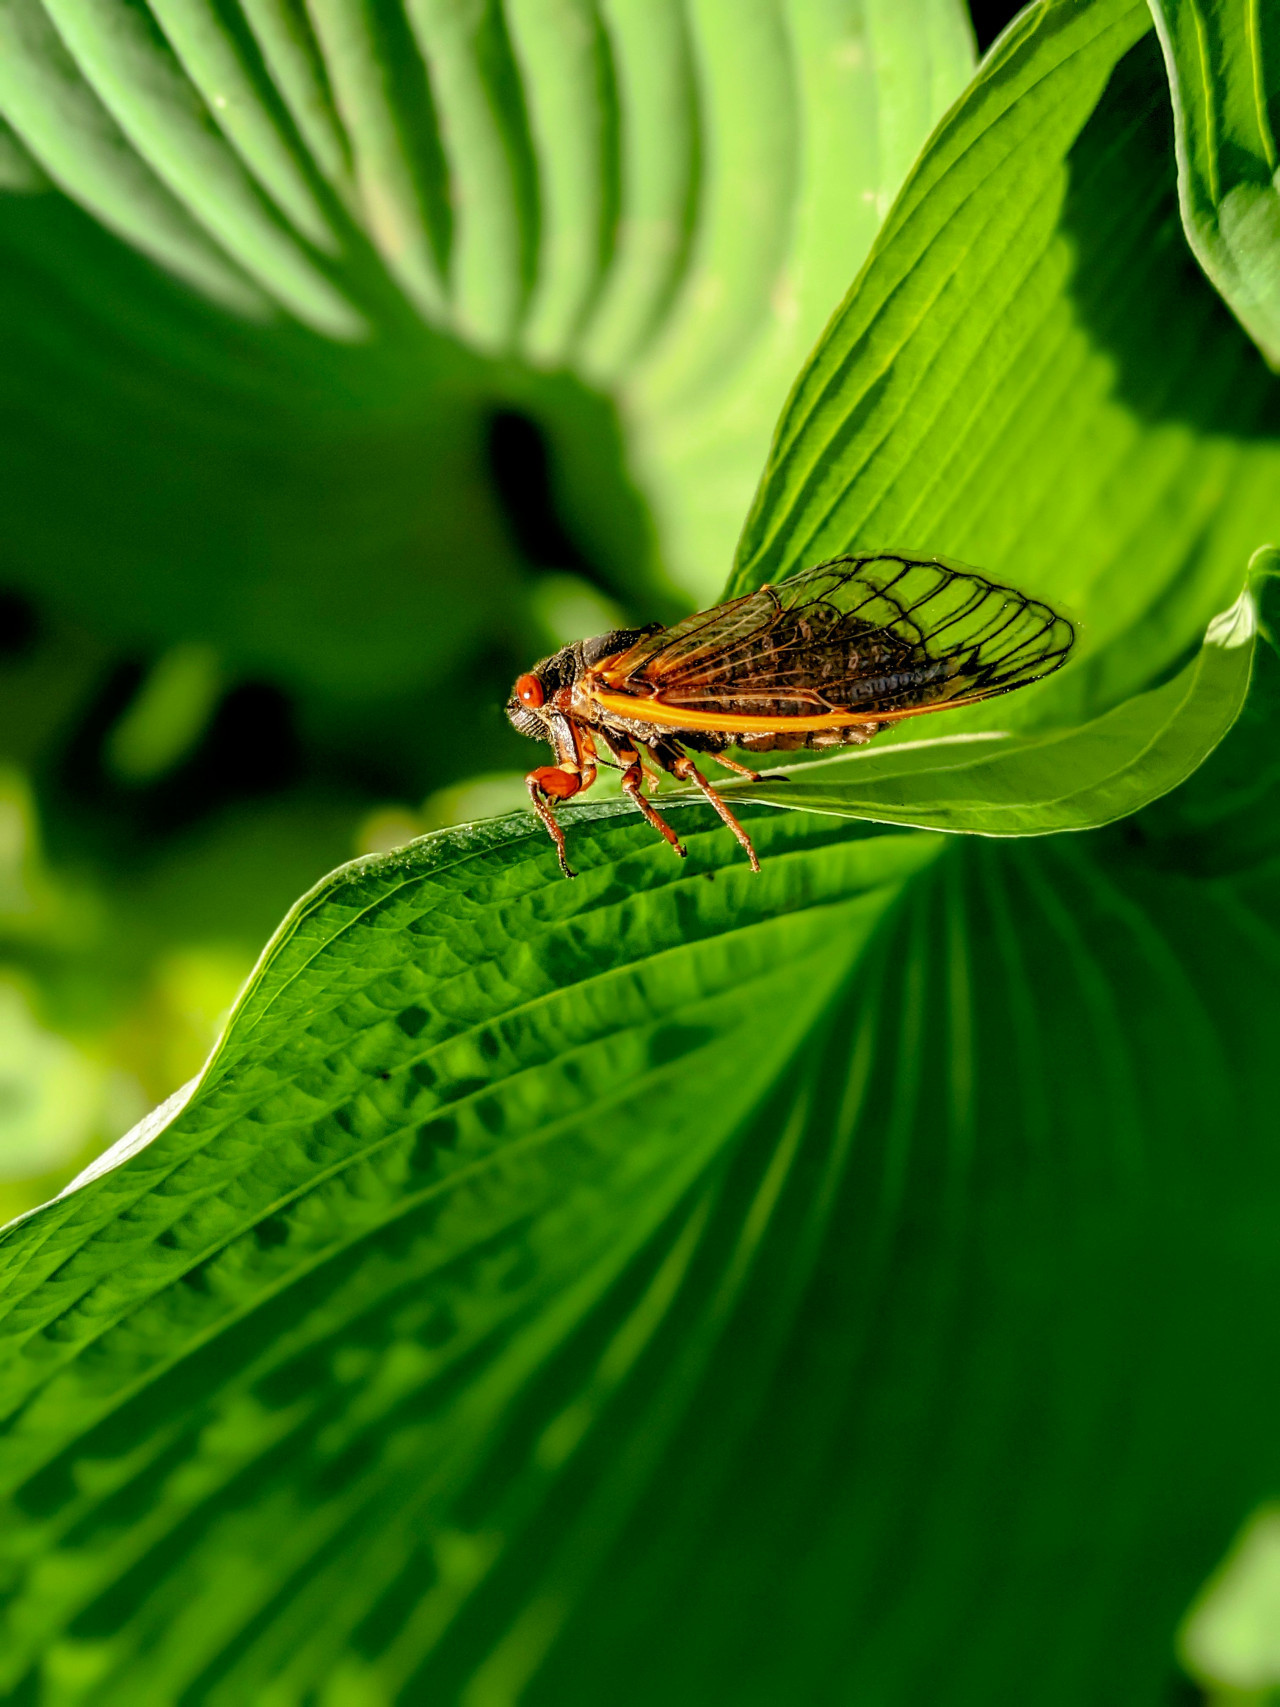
{"x": 520, "y": 465}
{"x": 1183, "y": 1693}
{"x": 19, "y": 625}
{"x": 1137, "y": 289}
{"x": 250, "y": 749}
{"x": 990, "y": 17}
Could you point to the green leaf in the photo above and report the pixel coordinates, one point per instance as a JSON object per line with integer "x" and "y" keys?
{"x": 681, "y": 1285}
{"x": 1227, "y": 818}
{"x": 813, "y": 114}
{"x": 1027, "y": 375}
{"x": 1031, "y": 785}
{"x": 431, "y": 1344}
{"x": 407, "y": 1096}
{"x": 1224, "y": 77}
{"x": 537, "y": 1265}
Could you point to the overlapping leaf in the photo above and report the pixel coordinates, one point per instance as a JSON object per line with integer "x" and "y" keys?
{"x": 1227, "y": 818}
{"x": 1223, "y": 60}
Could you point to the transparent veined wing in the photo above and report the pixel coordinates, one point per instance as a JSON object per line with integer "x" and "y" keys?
{"x": 876, "y": 634}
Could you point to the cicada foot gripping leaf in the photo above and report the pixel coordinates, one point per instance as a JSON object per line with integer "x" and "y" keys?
{"x": 828, "y": 658}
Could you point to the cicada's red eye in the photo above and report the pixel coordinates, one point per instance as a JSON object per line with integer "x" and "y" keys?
{"x": 529, "y": 691}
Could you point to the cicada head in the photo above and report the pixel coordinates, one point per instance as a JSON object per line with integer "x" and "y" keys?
{"x": 530, "y": 707}
{"x": 527, "y": 699}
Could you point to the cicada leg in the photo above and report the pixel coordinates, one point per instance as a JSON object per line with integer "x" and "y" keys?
{"x": 751, "y": 776}
{"x": 683, "y": 768}
{"x": 549, "y": 783}
{"x": 633, "y": 774}
{"x": 562, "y": 782}
{"x": 733, "y": 765}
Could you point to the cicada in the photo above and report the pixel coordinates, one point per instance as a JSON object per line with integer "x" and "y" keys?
{"x": 827, "y": 658}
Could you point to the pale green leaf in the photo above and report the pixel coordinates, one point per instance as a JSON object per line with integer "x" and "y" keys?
{"x": 661, "y": 200}
{"x": 1223, "y": 61}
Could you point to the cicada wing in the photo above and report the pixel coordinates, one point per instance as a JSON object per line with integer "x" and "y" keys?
{"x": 881, "y": 633}
{"x": 697, "y": 647}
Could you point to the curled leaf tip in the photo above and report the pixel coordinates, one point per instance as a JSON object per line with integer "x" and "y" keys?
{"x": 1236, "y": 625}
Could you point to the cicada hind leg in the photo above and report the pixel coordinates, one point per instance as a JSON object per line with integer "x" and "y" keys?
{"x": 672, "y": 758}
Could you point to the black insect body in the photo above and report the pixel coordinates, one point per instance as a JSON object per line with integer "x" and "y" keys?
{"x": 827, "y": 658}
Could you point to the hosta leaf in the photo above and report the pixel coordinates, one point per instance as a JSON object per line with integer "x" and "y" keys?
{"x": 419, "y": 1157}
{"x": 1224, "y": 77}
{"x": 1030, "y": 785}
{"x": 62, "y": 123}
{"x": 1028, "y": 375}
{"x": 540, "y": 1265}
{"x": 1227, "y": 818}
{"x": 133, "y": 72}
{"x": 678, "y": 1285}
{"x": 817, "y": 110}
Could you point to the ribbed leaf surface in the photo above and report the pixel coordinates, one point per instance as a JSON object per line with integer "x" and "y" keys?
{"x": 797, "y": 1265}
{"x": 844, "y": 1283}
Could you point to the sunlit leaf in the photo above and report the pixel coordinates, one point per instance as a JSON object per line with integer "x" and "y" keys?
{"x": 1223, "y": 60}
{"x": 537, "y": 1265}
{"x": 1029, "y": 376}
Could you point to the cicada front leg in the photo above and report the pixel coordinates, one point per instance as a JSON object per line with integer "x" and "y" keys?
{"x": 562, "y": 782}
{"x": 549, "y": 783}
